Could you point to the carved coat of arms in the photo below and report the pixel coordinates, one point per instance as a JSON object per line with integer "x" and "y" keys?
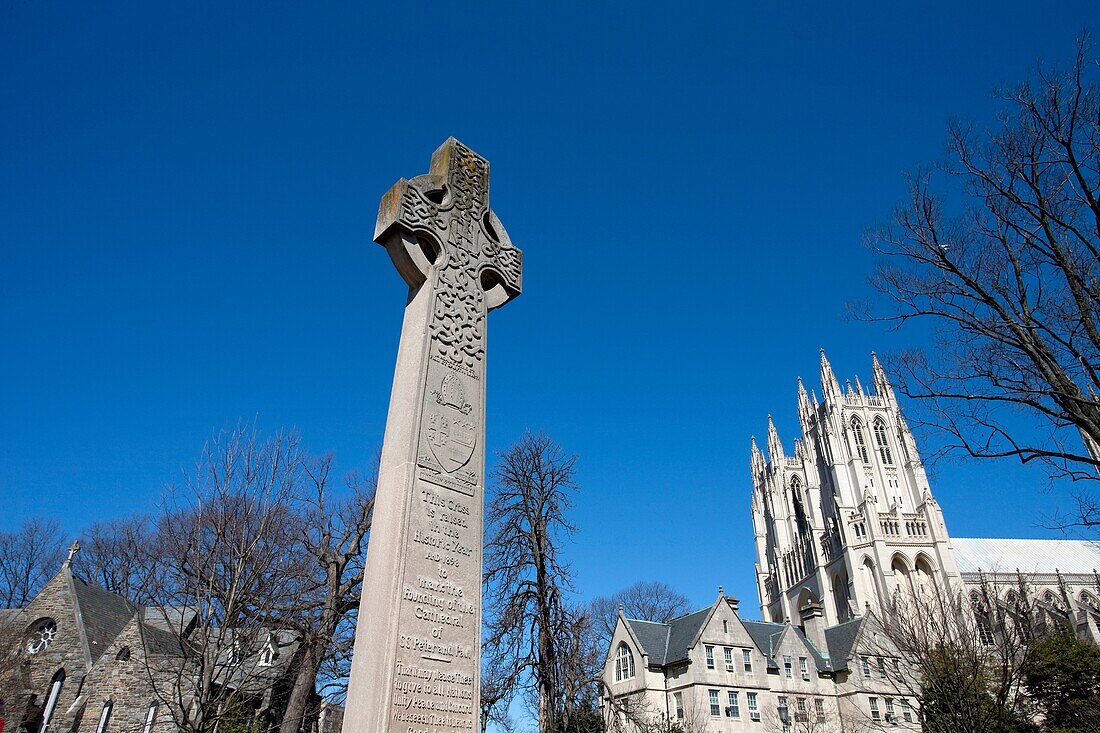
{"x": 451, "y": 430}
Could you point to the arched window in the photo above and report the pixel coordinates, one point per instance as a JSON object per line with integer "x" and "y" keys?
{"x": 624, "y": 663}
{"x": 840, "y": 596}
{"x": 882, "y": 442}
{"x": 924, "y": 577}
{"x": 150, "y": 718}
{"x": 42, "y": 633}
{"x": 902, "y": 582}
{"x": 123, "y": 654}
{"x": 1089, "y": 600}
{"x": 1052, "y": 601}
{"x": 871, "y": 583}
{"x": 51, "y": 701}
{"x": 104, "y": 717}
{"x": 860, "y": 440}
{"x": 799, "y": 509}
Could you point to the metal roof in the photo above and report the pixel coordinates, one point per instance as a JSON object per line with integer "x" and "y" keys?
{"x": 1028, "y": 556}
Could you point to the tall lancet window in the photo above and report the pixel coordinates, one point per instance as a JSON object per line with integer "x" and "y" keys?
{"x": 150, "y": 718}
{"x": 860, "y": 440}
{"x": 799, "y": 508}
{"x": 51, "y": 701}
{"x": 882, "y": 442}
{"x": 104, "y": 717}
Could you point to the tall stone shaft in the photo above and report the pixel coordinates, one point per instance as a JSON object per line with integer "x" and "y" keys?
{"x": 417, "y": 642}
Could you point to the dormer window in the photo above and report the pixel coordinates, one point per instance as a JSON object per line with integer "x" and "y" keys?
{"x": 269, "y": 654}
{"x": 235, "y": 652}
{"x": 43, "y": 632}
{"x": 624, "y": 663}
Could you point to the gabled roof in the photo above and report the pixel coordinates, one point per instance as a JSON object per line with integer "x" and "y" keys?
{"x": 668, "y": 643}
{"x": 841, "y": 640}
{"x": 682, "y": 634}
{"x": 765, "y": 635}
{"x": 651, "y": 636}
{"x": 103, "y": 614}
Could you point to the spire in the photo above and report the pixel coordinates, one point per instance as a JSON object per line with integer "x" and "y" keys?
{"x": 775, "y": 448}
{"x": 859, "y": 386}
{"x": 882, "y": 384}
{"x": 756, "y": 458}
{"x": 829, "y": 386}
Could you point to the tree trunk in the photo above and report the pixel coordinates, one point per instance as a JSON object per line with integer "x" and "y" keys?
{"x": 305, "y": 680}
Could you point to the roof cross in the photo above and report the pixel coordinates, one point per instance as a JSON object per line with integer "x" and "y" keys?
{"x": 73, "y": 549}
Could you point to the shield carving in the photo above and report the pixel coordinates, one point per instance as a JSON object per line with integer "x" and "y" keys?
{"x": 451, "y": 431}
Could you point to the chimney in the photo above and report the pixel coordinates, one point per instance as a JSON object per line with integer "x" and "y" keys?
{"x": 813, "y": 624}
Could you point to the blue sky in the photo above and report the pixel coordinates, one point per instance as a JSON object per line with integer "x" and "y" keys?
{"x": 188, "y": 194}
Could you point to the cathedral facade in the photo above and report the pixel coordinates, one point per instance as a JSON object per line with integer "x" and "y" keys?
{"x": 842, "y": 523}
{"x": 848, "y": 519}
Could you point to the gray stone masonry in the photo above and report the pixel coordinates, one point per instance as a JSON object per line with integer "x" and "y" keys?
{"x": 417, "y": 643}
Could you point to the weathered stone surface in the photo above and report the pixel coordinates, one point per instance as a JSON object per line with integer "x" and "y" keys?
{"x": 416, "y": 659}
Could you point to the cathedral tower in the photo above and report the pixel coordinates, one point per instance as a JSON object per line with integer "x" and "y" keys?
{"x": 847, "y": 518}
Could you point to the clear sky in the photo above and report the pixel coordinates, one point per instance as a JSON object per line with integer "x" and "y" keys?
{"x": 188, "y": 194}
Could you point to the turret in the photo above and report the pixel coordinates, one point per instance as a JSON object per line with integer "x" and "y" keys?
{"x": 805, "y": 410}
{"x": 830, "y": 387}
{"x": 882, "y": 385}
{"x": 775, "y": 448}
{"x": 756, "y": 460}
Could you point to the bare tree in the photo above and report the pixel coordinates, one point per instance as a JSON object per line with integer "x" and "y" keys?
{"x": 227, "y": 563}
{"x": 959, "y": 657}
{"x": 1011, "y": 281}
{"x": 645, "y": 600}
{"x": 29, "y": 557}
{"x": 526, "y": 581}
{"x": 116, "y": 555}
{"x": 13, "y": 655}
{"x": 636, "y": 713}
{"x": 580, "y": 673}
{"x": 333, "y": 533}
{"x": 844, "y": 721}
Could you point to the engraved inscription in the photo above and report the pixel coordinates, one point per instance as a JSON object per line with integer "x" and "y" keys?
{"x": 434, "y": 671}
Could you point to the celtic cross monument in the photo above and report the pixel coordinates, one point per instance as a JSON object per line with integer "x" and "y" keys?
{"x": 417, "y": 657}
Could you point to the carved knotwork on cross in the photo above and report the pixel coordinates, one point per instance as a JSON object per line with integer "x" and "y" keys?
{"x": 440, "y": 226}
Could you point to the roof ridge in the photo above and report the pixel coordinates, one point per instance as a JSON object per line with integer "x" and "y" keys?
{"x": 692, "y": 613}
{"x": 645, "y": 621}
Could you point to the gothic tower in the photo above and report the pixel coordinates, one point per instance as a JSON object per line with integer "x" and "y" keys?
{"x": 849, "y": 517}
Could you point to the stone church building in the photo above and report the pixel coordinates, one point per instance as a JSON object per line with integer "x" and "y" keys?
{"x": 93, "y": 661}
{"x": 841, "y": 523}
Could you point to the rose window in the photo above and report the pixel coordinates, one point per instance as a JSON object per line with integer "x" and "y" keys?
{"x": 42, "y": 636}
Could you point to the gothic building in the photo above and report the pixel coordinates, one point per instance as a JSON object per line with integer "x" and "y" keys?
{"x": 841, "y": 523}
{"x": 79, "y": 657}
{"x": 848, "y": 519}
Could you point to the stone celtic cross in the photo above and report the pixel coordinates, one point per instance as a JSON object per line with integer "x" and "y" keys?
{"x": 416, "y": 660}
